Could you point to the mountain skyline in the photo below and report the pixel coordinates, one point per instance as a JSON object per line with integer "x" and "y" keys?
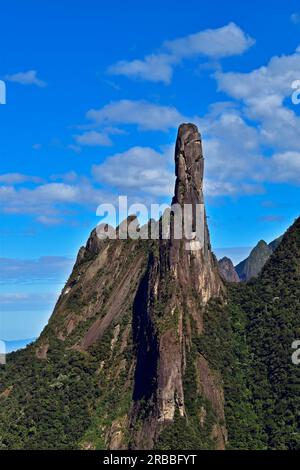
{"x": 148, "y": 348}
{"x": 93, "y": 108}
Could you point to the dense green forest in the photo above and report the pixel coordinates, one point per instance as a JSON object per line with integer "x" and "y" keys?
{"x": 53, "y": 403}
{"x": 249, "y": 343}
{"x": 254, "y": 353}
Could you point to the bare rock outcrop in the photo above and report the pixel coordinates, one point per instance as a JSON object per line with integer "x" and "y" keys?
{"x": 227, "y": 270}
{"x": 179, "y": 282}
{"x": 153, "y": 293}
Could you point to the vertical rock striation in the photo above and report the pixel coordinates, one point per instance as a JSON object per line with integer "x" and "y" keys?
{"x": 144, "y": 301}
{"x": 227, "y": 270}
{"x": 179, "y": 282}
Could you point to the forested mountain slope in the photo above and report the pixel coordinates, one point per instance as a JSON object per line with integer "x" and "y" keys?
{"x": 148, "y": 348}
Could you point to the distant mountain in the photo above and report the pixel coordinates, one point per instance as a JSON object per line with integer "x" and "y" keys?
{"x": 227, "y": 270}
{"x": 252, "y": 266}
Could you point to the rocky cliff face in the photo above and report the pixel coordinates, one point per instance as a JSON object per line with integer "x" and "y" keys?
{"x": 179, "y": 281}
{"x": 227, "y": 270}
{"x": 125, "y": 331}
{"x": 163, "y": 285}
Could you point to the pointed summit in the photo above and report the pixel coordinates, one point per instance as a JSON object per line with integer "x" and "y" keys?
{"x": 125, "y": 327}
{"x": 189, "y": 169}
{"x": 189, "y": 164}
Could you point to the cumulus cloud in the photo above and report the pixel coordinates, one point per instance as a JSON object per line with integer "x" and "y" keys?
{"x": 93, "y": 139}
{"x": 285, "y": 167}
{"x": 18, "y": 178}
{"x": 231, "y": 146}
{"x": 274, "y": 79}
{"x": 96, "y": 138}
{"x": 47, "y": 201}
{"x": 237, "y": 133}
{"x": 139, "y": 170}
{"x": 236, "y": 163}
{"x": 154, "y": 67}
{"x": 26, "y": 78}
{"x": 263, "y": 92}
{"x": 212, "y": 43}
{"x": 145, "y": 115}
{"x": 235, "y": 136}
{"x": 69, "y": 177}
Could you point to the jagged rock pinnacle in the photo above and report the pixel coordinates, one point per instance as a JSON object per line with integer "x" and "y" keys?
{"x": 188, "y": 166}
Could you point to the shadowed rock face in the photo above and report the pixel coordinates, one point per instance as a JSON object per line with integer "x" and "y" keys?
{"x": 180, "y": 282}
{"x": 188, "y": 166}
{"x": 189, "y": 163}
{"x": 227, "y": 270}
{"x": 151, "y": 292}
{"x": 197, "y": 266}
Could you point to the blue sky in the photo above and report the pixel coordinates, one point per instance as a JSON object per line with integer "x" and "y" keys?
{"x": 95, "y": 93}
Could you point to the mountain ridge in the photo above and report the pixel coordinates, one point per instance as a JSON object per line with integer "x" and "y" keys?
{"x": 252, "y": 265}
{"x": 148, "y": 347}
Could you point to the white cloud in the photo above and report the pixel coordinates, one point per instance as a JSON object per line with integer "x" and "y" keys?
{"x": 17, "y": 178}
{"x": 47, "y": 201}
{"x": 285, "y": 167}
{"x": 69, "y": 177}
{"x": 235, "y": 135}
{"x": 233, "y": 160}
{"x": 46, "y": 220}
{"x": 263, "y": 92}
{"x": 139, "y": 170}
{"x": 154, "y": 67}
{"x": 265, "y": 120}
{"x": 273, "y": 79}
{"x": 26, "y": 78}
{"x": 213, "y": 43}
{"x": 146, "y": 115}
{"x": 93, "y": 139}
